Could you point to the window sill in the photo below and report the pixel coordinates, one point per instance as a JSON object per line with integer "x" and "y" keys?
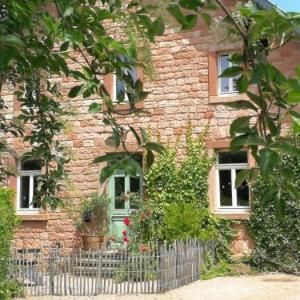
{"x": 227, "y": 98}
{"x": 235, "y": 215}
{"x": 33, "y": 217}
{"x": 125, "y": 106}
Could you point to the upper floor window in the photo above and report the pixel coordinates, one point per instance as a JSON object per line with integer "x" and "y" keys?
{"x": 227, "y": 85}
{"x": 29, "y": 171}
{"x": 229, "y": 164}
{"x": 120, "y": 92}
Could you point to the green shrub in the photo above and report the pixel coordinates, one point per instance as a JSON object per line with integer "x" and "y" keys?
{"x": 8, "y": 223}
{"x": 185, "y": 220}
{"x": 277, "y": 236}
{"x": 10, "y": 289}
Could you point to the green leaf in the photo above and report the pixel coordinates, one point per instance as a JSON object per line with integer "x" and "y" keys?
{"x": 64, "y": 46}
{"x": 13, "y": 40}
{"x": 272, "y": 126}
{"x": 241, "y": 177}
{"x": 187, "y": 22}
{"x": 206, "y": 18}
{"x": 95, "y": 107}
{"x": 242, "y": 84}
{"x": 138, "y": 139}
{"x": 240, "y": 125}
{"x": 158, "y": 26}
{"x": 268, "y": 160}
{"x": 106, "y": 172}
{"x": 232, "y": 71}
{"x": 149, "y": 159}
{"x": 69, "y": 11}
{"x": 242, "y": 104}
{"x": 144, "y": 135}
{"x": 155, "y": 147}
{"x": 291, "y": 190}
{"x": 296, "y": 120}
{"x": 257, "y": 100}
{"x": 75, "y": 90}
{"x": 111, "y": 142}
{"x": 293, "y": 97}
{"x": 287, "y": 147}
{"x": 108, "y": 157}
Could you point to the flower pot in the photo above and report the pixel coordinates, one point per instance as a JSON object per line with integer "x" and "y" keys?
{"x": 92, "y": 241}
{"x": 87, "y": 216}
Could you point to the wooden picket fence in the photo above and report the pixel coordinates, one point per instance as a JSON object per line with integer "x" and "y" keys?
{"x": 87, "y": 273}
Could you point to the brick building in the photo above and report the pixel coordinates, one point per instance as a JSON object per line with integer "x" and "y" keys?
{"x": 185, "y": 87}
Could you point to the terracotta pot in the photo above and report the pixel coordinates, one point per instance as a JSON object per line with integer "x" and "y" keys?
{"x": 92, "y": 242}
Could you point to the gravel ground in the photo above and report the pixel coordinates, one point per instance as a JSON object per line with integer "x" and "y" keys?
{"x": 262, "y": 287}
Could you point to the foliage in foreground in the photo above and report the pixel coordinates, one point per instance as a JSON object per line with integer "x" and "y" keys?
{"x": 277, "y": 238}
{"x": 8, "y": 223}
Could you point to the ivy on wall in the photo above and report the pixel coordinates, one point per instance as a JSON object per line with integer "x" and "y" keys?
{"x": 277, "y": 236}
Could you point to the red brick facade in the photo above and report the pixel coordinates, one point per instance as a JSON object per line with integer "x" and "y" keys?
{"x": 184, "y": 89}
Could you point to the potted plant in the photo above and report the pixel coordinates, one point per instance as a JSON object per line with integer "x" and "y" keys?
{"x": 93, "y": 221}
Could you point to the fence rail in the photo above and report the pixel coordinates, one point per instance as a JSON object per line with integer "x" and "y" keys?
{"x": 87, "y": 273}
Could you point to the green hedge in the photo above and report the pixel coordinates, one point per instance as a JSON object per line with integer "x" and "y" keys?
{"x": 8, "y": 223}
{"x": 277, "y": 236}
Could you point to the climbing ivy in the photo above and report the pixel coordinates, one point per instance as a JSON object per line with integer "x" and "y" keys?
{"x": 277, "y": 236}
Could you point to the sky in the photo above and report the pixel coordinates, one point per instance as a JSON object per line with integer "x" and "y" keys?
{"x": 288, "y": 5}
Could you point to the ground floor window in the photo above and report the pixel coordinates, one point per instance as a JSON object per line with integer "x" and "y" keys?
{"x": 229, "y": 164}
{"x": 29, "y": 171}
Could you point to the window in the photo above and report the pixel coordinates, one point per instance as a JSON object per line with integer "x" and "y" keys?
{"x": 229, "y": 164}
{"x": 29, "y": 171}
{"x": 126, "y": 190}
{"x": 227, "y": 85}
{"x": 119, "y": 86}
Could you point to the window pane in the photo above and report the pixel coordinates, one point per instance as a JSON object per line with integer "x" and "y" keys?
{"x": 233, "y": 157}
{"x": 135, "y": 193}
{"x": 119, "y": 192}
{"x": 36, "y": 201}
{"x": 225, "y": 188}
{"x": 24, "y": 191}
{"x": 224, "y": 85}
{"x": 224, "y": 63}
{"x": 31, "y": 165}
{"x": 120, "y": 90}
{"x": 243, "y": 193}
{"x": 133, "y": 73}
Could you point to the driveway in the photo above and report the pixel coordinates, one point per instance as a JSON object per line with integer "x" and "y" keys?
{"x": 261, "y": 287}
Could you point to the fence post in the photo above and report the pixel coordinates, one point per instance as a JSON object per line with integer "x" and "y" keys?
{"x": 51, "y": 274}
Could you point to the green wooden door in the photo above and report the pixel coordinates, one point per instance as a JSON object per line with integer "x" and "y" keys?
{"x": 125, "y": 192}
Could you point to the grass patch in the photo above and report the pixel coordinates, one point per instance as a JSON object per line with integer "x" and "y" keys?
{"x": 208, "y": 270}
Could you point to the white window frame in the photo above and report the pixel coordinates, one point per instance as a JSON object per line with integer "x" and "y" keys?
{"x": 114, "y": 91}
{"x": 31, "y": 174}
{"x": 233, "y": 167}
{"x": 231, "y": 79}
